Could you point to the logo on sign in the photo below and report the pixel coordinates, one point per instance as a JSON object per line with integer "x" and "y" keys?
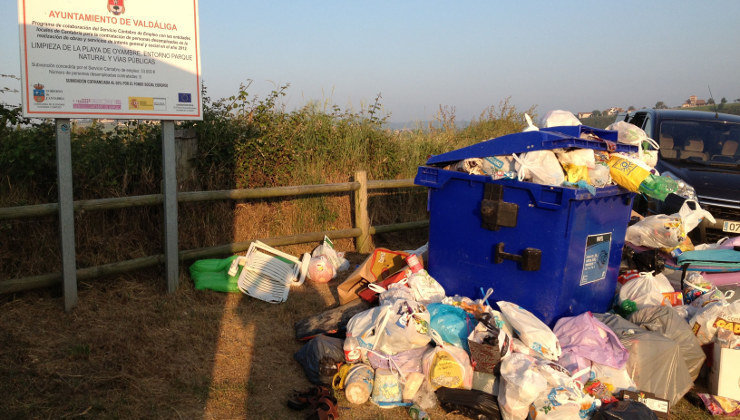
{"x": 38, "y": 92}
{"x": 116, "y": 7}
{"x": 184, "y": 97}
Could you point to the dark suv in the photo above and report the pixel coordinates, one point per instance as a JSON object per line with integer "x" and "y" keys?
{"x": 701, "y": 149}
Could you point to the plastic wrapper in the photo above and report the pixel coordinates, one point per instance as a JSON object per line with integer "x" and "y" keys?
{"x": 540, "y": 167}
{"x": 720, "y": 406}
{"x": 655, "y": 362}
{"x": 665, "y": 320}
{"x": 647, "y": 290}
{"x": 657, "y": 231}
{"x": 533, "y": 332}
{"x": 588, "y": 340}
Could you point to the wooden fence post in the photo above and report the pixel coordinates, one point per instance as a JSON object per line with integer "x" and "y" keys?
{"x": 363, "y": 243}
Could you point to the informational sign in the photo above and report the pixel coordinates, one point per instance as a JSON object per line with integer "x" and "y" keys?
{"x": 596, "y": 258}
{"x": 120, "y": 59}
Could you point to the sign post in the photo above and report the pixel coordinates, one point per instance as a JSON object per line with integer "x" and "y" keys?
{"x": 66, "y": 212}
{"x": 116, "y": 59}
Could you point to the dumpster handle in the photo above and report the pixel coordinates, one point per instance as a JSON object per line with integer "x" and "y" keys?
{"x": 529, "y": 260}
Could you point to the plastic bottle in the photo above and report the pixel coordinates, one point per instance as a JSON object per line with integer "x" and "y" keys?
{"x": 352, "y": 352}
{"x": 658, "y": 187}
{"x": 416, "y": 413}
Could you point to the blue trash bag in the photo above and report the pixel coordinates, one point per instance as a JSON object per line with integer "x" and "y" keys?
{"x": 453, "y": 324}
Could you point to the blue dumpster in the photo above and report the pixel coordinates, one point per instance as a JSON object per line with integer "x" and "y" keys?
{"x": 553, "y": 250}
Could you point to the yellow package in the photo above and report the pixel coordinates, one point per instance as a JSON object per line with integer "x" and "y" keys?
{"x": 446, "y": 371}
{"x": 626, "y": 173}
{"x": 575, "y": 173}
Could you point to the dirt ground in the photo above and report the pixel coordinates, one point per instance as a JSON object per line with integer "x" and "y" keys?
{"x": 129, "y": 350}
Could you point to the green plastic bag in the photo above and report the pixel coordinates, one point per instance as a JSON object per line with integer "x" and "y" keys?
{"x": 212, "y": 274}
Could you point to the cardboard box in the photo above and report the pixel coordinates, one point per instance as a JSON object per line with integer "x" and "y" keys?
{"x": 724, "y": 375}
{"x": 380, "y": 265}
{"x": 658, "y": 406}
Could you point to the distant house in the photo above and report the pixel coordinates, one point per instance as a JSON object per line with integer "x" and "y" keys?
{"x": 693, "y": 101}
{"x": 613, "y": 111}
{"x": 582, "y": 115}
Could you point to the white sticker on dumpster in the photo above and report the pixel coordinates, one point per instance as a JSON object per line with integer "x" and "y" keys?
{"x": 596, "y": 258}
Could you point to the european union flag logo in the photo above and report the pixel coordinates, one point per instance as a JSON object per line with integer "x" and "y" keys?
{"x": 184, "y": 97}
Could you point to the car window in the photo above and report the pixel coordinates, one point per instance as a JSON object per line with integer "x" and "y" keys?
{"x": 638, "y": 119}
{"x": 700, "y": 141}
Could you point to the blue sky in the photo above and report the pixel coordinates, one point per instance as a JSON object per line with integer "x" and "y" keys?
{"x": 574, "y": 55}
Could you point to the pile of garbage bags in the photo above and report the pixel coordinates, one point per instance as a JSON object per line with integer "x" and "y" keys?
{"x": 419, "y": 348}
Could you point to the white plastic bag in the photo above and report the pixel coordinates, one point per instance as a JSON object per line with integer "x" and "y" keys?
{"x": 635, "y": 136}
{"x": 657, "y": 231}
{"x": 336, "y": 259}
{"x": 448, "y": 365}
{"x": 714, "y": 316}
{"x": 646, "y": 290}
{"x": 619, "y": 379}
{"x": 540, "y": 167}
{"x": 425, "y": 288}
{"x": 565, "y": 398}
{"x": 599, "y": 176}
{"x": 578, "y": 157}
{"x": 533, "y": 332}
{"x": 520, "y": 385}
{"x": 558, "y": 118}
{"x": 692, "y": 214}
{"x": 405, "y": 327}
{"x": 628, "y": 133}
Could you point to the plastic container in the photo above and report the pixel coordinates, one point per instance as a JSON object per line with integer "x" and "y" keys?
{"x": 553, "y": 250}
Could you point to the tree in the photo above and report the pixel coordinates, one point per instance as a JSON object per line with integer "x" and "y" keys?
{"x": 710, "y": 101}
{"x": 596, "y": 113}
{"x": 723, "y": 100}
{"x": 660, "y": 105}
{"x": 631, "y": 108}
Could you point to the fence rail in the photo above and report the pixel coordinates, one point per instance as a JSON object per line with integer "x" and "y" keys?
{"x": 361, "y": 230}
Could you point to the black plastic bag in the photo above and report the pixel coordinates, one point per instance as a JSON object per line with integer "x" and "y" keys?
{"x": 320, "y": 357}
{"x": 624, "y": 410}
{"x": 470, "y": 403}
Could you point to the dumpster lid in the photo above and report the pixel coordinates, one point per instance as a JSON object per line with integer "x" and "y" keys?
{"x": 545, "y": 139}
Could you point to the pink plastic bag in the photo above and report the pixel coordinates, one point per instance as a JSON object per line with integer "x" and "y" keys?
{"x": 584, "y": 338}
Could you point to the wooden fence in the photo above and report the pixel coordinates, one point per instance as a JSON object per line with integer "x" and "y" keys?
{"x": 362, "y": 229}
